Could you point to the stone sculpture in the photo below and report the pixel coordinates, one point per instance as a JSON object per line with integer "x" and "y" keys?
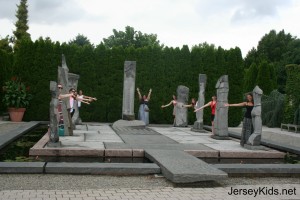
{"x": 180, "y": 111}
{"x": 73, "y": 83}
{"x": 255, "y": 137}
{"x": 129, "y": 90}
{"x": 53, "y": 113}
{"x": 221, "y": 115}
{"x": 198, "y": 125}
{"x": 63, "y": 80}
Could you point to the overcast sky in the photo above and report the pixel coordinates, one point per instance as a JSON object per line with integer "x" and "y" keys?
{"x": 225, "y": 23}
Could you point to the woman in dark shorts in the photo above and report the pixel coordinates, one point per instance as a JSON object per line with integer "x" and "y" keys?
{"x": 213, "y": 105}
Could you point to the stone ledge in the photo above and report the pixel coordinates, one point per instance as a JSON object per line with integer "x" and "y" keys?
{"x": 118, "y": 153}
{"x": 66, "y": 152}
{"x": 102, "y": 168}
{"x": 259, "y": 168}
{"x": 203, "y": 153}
{"x": 21, "y": 167}
{"x": 251, "y": 154}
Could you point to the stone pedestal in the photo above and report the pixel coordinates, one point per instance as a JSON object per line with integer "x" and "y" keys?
{"x": 129, "y": 90}
{"x": 180, "y": 111}
{"x": 198, "y": 125}
{"x": 221, "y": 115}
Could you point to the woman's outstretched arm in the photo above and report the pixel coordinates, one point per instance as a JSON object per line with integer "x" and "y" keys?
{"x": 206, "y": 105}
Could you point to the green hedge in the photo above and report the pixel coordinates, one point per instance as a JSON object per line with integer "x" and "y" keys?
{"x": 292, "y": 102}
{"x": 101, "y": 75}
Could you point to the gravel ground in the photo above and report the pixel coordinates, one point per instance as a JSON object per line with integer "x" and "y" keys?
{"x": 74, "y": 182}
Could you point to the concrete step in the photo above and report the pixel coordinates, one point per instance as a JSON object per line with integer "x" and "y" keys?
{"x": 181, "y": 167}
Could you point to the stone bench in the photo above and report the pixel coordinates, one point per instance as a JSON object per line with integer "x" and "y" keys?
{"x": 288, "y": 126}
{"x": 180, "y": 167}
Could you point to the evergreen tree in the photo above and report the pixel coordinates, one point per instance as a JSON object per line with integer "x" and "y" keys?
{"x": 5, "y": 44}
{"x": 22, "y": 22}
{"x": 250, "y": 78}
{"x": 131, "y": 37}
{"x": 80, "y": 40}
{"x": 264, "y": 80}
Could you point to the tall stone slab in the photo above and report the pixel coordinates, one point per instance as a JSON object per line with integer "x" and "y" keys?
{"x": 73, "y": 83}
{"x": 221, "y": 115}
{"x": 129, "y": 90}
{"x": 180, "y": 111}
{"x": 53, "y": 127}
{"x": 198, "y": 124}
{"x": 63, "y": 80}
{"x": 255, "y": 137}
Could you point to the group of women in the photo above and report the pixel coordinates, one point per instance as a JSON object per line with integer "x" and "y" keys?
{"x": 247, "y": 129}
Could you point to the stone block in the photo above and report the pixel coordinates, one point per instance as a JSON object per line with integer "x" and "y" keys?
{"x": 138, "y": 153}
{"x": 102, "y": 168}
{"x": 180, "y": 167}
{"x": 203, "y": 154}
{"x": 118, "y": 152}
{"x": 21, "y": 167}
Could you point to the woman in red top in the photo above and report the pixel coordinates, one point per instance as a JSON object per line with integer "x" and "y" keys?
{"x": 213, "y": 105}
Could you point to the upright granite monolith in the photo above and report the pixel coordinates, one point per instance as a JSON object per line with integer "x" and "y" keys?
{"x": 198, "y": 125}
{"x": 255, "y": 137}
{"x": 63, "y": 80}
{"x": 129, "y": 90}
{"x": 221, "y": 115}
{"x": 53, "y": 127}
{"x": 73, "y": 83}
{"x": 180, "y": 111}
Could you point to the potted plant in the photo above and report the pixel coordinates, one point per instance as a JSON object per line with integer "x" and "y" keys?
{"x": 16, "y": 98}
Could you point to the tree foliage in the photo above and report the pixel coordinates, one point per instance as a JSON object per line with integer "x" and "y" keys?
{"x": 131, "y": 37}
{"x": 22, "y": 22}
{"x": 80, "y": 40}
{"x": 5, "y": 44}
{"x": 278, "y": 50}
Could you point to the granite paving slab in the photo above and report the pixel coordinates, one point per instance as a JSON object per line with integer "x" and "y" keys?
{"x": 180, "y": 167}
{"x": 10, "y": 131}
{"x": 102, "y": 168}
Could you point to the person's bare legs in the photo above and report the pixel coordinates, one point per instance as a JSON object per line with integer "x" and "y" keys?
{"x": 212, "y": 128}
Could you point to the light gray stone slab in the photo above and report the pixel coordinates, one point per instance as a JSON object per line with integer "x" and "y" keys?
{"x": 180, "y": 167}
{"x": 21, "y": 167}
{"x": 102, "y": 168}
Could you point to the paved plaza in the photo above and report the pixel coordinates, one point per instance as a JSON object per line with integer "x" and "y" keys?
{"x": 102, "y": 136}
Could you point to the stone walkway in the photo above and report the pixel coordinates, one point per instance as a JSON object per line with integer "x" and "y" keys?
{"x": 258, "y": 192}
{"x": 181, "y": 135}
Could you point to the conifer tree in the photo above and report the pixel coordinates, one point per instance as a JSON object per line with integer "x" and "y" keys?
{"x": 22, "y": 22}
{"x": 264, "y": 80}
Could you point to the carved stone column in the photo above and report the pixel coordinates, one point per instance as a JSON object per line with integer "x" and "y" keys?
{"x": 181, "y": 112}
{"x": 221, "y": 115}
{"x": 129, "y": 90}
{"x": 198, "y": 125}
{"x": 255, "y": 138}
